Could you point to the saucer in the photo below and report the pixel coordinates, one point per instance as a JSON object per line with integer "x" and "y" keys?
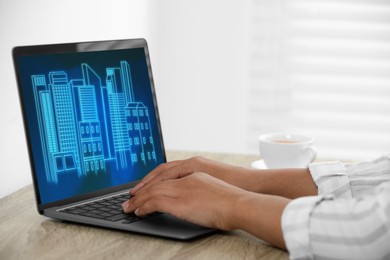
{"x": 259, "y": 164}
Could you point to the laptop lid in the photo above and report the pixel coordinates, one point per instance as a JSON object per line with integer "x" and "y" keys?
{"x": 90, "y": 116}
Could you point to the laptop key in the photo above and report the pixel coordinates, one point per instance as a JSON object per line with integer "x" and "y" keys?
{"x": 116, "y": 211}
{"x": 94, "y": 205}
{"x": 112, "y": 207}
{"x": 130, "y": 219}
{"x": 88, "y": 208}
{"x": 92, "y": 215}
{"x": 104, "y": 208}
{"x": 76, "y": 211}
{"x": 96, "y": 211}
{"x": 106, "y": 214}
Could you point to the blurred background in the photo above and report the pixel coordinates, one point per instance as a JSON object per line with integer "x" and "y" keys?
{"x": 226, "y": 71}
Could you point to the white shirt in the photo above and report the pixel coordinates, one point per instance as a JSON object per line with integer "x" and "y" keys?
{"x": 350, "y": 217}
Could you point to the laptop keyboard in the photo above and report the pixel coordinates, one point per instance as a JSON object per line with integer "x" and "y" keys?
{"x": 108, "y": 209}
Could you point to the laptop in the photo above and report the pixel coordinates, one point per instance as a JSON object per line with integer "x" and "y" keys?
{"x": 93, "y": 132}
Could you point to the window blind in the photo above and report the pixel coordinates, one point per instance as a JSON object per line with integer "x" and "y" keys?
{"x": 322, "y": 68}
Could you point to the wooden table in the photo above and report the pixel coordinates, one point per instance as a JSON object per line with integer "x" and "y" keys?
{"x": 24, "y": 234}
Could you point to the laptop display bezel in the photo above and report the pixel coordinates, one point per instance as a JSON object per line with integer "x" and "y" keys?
{"x": 74, "y": 48}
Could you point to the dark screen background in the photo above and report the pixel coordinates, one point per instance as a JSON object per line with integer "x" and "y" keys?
{"x": 66, "y": 183}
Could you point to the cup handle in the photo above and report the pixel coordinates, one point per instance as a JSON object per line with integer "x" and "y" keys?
{"x": 313, "y": 153}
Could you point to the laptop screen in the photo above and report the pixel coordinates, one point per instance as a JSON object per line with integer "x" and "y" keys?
{"x": 91, "y": 119}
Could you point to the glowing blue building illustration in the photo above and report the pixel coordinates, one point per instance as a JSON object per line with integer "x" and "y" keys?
{"x": 141, "y": 139}
{"x": 121, "y": 143}
{"x": 46, "y": 123}
{"x": 87, "y": 127}
{"x": 67, "y": 159}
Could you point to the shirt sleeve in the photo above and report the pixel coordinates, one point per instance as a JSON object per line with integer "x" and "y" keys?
{"x": 350, "y": 180}
{"x": 349, "y": 219}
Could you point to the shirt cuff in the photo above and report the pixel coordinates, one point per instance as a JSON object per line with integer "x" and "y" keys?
{"x": 331, "y": 178}
{"x": 296, "y": 223}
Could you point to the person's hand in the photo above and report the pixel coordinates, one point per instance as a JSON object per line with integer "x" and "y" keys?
{"x": 197, "y": 198}
{"x": 207, "y": 201}
{"x": 181, "y": 168}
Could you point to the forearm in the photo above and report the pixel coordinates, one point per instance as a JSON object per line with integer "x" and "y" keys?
{"x": 289, "y": 183}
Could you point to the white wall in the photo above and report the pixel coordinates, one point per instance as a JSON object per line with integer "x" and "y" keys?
{"x": 199, "y": 58}
{"x": 199, "y": 53}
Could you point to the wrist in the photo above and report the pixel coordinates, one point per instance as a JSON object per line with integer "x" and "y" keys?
{"x": 260, "y": 215}
{"x": 235, "y": 215}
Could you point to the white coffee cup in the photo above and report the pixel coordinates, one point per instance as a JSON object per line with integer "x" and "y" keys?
{"x": 286, "y": 150}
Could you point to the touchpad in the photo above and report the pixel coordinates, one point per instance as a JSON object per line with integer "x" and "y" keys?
{"x": 169, "y": 226}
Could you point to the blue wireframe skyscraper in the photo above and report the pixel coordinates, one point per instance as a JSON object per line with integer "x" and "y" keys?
{"x": 88, "y": 128}
{"x": 68, "y": 159}
{"x": 46, "y": 122}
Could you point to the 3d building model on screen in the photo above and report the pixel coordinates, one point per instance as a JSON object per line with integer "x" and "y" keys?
{"x": 88, "y": 125}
